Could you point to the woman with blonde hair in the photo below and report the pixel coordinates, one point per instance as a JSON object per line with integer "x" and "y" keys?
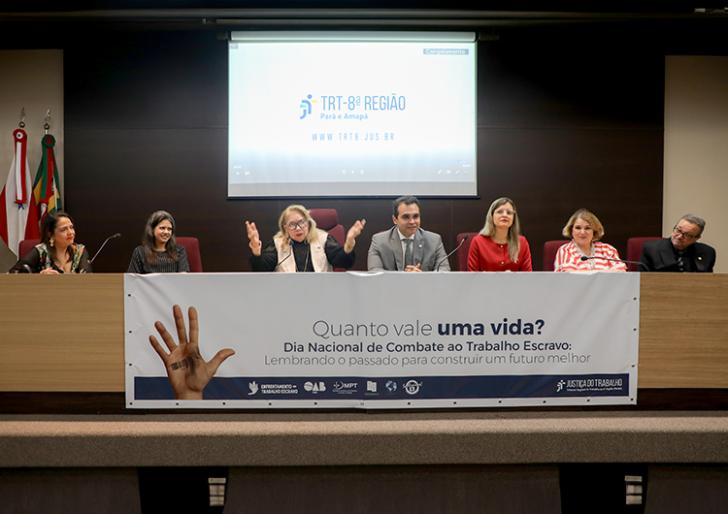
{"x": 585, "y": 251}
{"x": 500, "y": 245}
{"x": 300, "y": 246}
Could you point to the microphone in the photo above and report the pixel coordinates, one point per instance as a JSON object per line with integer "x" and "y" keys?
{"x": 590, "y": 257}
{"x": 290, "y": 252}
{"x": 102, "y": 246}
{"x": 462, "y": 242}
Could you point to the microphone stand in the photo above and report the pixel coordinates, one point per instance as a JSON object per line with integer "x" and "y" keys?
{"x": 591, "y": 257}
{"x": 102, "y": 246}
{"x": 286, "y": 257}
{"x": 462, "y": 242}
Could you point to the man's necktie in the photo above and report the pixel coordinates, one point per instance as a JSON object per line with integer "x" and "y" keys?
{"x": 680, "y": 262}
{"x": 408, "y": 260}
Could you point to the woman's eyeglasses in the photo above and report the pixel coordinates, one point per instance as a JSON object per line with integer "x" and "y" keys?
{"x": 293, "y": 225}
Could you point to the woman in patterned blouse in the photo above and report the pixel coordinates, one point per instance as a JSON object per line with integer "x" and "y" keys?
{"x": 585, "y": 251}
{"x": 57, "y": 252}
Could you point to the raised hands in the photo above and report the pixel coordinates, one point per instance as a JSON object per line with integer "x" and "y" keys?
{"x": 353, "y": 233}
{"x": 188, "y": 372}
{"x": 253, "y": 238}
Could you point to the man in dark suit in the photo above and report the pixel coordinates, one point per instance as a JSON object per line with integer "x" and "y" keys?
{"x": 680, "y": 252}
{"x": 406, "y": 247}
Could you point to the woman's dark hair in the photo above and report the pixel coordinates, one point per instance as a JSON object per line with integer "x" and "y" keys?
{"x": 155, "y": 219}
{"x": 49, "y": 226}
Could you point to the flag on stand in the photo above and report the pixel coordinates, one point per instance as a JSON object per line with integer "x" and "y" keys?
{"x": 47, "y": 187}
{"x": 18, "y": 213}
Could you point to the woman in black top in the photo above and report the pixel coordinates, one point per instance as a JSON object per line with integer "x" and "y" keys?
{"x": 159, "y": 252}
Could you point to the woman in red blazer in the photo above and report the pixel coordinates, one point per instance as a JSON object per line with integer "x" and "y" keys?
{"x": 500, "y": 245}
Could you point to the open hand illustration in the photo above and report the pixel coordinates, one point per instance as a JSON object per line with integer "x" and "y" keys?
{"x": 188, "y": 372}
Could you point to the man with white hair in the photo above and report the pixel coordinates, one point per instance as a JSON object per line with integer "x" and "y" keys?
{"x": 680, "y": 252}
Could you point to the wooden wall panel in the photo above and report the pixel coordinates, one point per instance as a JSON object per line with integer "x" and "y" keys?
{"x": 684, "y": 331}
{"x": 560, "y": 126}
{"x": 62, "y": 333}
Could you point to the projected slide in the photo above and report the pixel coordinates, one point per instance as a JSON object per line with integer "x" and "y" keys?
{"x": 365, "y": 114}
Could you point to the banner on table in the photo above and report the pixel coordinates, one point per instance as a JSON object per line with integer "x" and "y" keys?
{"x": 384, "y": 340}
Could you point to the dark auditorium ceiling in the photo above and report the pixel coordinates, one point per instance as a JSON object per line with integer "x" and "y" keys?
{"x": 666, "y": 6}
{"x": 613, "y": 7}
{"x": 375, "y": 14}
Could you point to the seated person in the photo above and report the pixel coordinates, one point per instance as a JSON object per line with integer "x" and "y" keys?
{"x": 680, "y": 252}
{"x": 585, "y": 231}
{"x": 57, "y": 252}
{"x": 299, "y": 246}
{"x": 500, "y": 245}
{"x": 405, "y": 246}
{"x": 159, "y": 252}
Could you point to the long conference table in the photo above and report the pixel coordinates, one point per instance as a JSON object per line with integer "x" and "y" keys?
{"x": 65, "y": 335}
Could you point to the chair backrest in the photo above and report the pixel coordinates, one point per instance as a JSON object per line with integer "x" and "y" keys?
{"x": 25, "y": 246}
{"x": 328, "y": 220}
{"x": 463, "y": 250}
{"x": 549, "y": 252}
{"x": 192, "y": 246}
{"x": 634, "y": 250}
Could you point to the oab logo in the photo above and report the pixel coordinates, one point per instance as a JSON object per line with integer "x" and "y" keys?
{"x": 412, "y": 387}
{"x": 314, "y": 387}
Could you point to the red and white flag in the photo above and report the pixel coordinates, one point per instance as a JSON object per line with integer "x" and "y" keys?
{"x": 18, "y": 214}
